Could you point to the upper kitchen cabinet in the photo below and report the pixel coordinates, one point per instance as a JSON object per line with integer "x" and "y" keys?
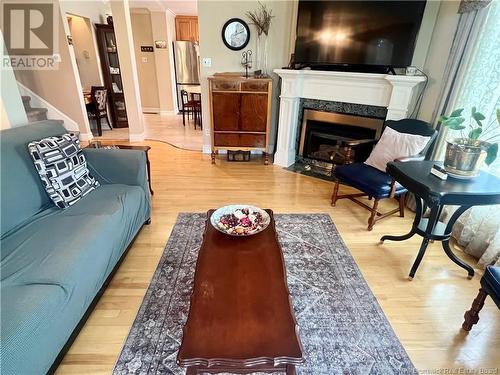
{"x": 186, "y": 28}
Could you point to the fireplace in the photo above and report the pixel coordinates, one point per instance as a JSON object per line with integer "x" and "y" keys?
{"x": 323, "y": 134}
{"x": 366, "y": 95}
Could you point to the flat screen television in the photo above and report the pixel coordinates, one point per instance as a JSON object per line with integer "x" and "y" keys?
{"x": 357, "y": 33}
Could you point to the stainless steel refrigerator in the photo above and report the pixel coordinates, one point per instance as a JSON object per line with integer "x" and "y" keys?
{"x": 187, "y": 66}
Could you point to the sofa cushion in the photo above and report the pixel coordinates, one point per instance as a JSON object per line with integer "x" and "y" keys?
{"x": 367, "y": 179}
{"x": 22, "y": 193}
{"x": 62, "y": 167}
{"x": 72, "y": 250}
{"x": 491, "y": 282}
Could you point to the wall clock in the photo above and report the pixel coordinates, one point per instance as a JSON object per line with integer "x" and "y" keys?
{"x": 235, "y": 34}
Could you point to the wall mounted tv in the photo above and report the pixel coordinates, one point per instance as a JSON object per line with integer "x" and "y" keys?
{"x": 357, "y": 33}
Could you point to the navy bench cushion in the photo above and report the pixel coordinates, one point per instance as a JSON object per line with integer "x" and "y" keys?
{"x": 367, "y": 179}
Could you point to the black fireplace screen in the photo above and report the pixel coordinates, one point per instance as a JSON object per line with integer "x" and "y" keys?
{"x": 324, "y": 141}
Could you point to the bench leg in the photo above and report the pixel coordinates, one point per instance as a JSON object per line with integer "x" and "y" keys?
{"x": 335, "y": 193}
{"x": 472, "y": 316}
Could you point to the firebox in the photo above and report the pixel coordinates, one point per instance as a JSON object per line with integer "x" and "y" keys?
{"x": 324, "y": 134}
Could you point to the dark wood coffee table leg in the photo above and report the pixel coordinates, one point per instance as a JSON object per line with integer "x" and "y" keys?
{"x": 193, "y": 370}
{"x": 290, "y": 370}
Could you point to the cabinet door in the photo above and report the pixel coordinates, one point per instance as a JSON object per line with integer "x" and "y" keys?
{"x": 226, "y": 108}
{"x": 182, "y": 28}
{"x": 186, "y": 28}
{"x": 194, "y": 30}
{"x": 253, "y": 112}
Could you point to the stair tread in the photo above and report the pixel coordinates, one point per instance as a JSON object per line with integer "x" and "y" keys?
{"x": 35, "y": 111}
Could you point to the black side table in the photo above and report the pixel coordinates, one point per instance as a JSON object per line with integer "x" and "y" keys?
{"x": 431, "y": 192}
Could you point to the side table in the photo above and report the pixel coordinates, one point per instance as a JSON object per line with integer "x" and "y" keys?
{"x": 130, "y": 147}
{"x": 433, "y": 193}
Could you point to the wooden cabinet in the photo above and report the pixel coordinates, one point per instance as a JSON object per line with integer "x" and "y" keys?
{"x": 106, "y": 41}
{"x": 186, "y": 28}
{"x": 240, "y": 113}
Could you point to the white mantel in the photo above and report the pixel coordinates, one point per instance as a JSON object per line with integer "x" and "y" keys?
{"x": 395, "y": 92}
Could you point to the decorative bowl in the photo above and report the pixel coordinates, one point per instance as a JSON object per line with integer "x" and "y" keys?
{"x": 240, "y": 220}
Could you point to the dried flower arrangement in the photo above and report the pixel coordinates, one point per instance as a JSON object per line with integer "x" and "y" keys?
{"x": 261, "y": 18}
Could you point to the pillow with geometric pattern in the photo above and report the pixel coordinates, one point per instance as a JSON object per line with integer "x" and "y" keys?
{"x": 62, "y": 168}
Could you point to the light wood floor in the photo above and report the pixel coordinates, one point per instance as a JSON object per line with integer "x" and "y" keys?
{"x": 426, "y": 313}
{"x": 165, "y": 128}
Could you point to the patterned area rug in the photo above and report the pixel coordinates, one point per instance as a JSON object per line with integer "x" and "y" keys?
{"x": 342, "y": 328}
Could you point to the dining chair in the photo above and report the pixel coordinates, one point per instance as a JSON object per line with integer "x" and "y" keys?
{"x": 376, "y": 184}
{"x": 188, "y": 106}
{"x": 197, "y": 109}
{"x": 98, "y": 108}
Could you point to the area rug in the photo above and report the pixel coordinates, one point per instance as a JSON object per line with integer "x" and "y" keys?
{"x": 342, "y": 327}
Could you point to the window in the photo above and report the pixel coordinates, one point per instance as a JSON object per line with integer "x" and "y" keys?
{"x": 480, "y": 86}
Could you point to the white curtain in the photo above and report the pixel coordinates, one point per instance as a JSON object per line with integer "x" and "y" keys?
{"x": 478, "y": 84}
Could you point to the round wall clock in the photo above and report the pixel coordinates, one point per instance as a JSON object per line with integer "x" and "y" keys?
{"x": 235, "y": 34}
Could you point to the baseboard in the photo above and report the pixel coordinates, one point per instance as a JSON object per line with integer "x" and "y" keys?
{"x": 52, "y": 112}
{"x": 206, "y": 149}
{"x": 164, "y": 113}
{"x": 150, "y": 110}
{"x": 86, "y": 137}
{"x": 136, "y": 137}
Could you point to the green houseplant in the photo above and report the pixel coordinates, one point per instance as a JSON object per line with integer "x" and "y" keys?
{"x": 477, "y": 144}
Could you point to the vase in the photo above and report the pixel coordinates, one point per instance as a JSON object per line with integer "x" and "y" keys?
{"x": 464, "y": 157}
{"x": 261, "y": 58}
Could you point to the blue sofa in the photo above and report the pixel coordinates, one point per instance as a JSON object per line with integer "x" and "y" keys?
{"x": 56, "y": 263}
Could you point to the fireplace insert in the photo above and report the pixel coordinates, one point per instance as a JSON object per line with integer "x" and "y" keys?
{"x": 325, "y": 135}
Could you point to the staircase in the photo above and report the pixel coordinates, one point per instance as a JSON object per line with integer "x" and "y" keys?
{"x": 34, "y": 114}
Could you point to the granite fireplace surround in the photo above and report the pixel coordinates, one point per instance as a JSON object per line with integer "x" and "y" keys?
{"x": 368, "y": 94}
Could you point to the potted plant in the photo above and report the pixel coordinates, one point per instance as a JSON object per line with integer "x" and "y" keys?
{"x": 477, "y": 144}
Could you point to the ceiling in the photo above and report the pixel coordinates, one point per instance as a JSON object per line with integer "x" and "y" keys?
{"x": 178, "y": 7}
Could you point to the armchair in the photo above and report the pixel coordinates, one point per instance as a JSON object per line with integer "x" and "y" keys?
{"x": 376, "y": 184}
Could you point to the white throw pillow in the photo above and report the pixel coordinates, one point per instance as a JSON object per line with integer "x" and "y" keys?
{"x": 393, "y": 145}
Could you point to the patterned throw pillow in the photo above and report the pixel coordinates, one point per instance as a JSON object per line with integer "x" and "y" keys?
{"x": 62, "y": 168}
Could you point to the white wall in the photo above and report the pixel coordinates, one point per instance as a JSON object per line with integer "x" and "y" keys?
{"x": 12, "y": 108}
{"x": 85, "y": 51}
{"x": 213, "y": 14}
{"x": 437, "y": 56}
{"x": 95, "y": 10}
{"x": 211, "y": 17}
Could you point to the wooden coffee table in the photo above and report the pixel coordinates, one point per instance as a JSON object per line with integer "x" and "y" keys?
{"x": 240, "y": 318}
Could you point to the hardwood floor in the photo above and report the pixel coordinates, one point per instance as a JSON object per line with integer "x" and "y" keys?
{"x": 426, "y": 313}
{"x": 164, "y": 128}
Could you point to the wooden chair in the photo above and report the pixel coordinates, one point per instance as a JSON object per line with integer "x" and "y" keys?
{"x": 98, "y": 108}
{"x": 188, "y": 106}
{"x": 490, "y": 286}
{"x": 197, "y": 109}
{"x": 376, "y": 184}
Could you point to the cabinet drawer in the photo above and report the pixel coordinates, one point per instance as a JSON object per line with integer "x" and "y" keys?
{"x": 223, "y": 85}
{"x": 239, "y": 140}
{"x": 252, "y": 140}
{"x": 254, "y": 86}
{"x": 226, "y": 139}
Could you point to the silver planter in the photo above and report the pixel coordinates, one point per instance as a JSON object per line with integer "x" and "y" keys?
{"x": 465, "y": 157}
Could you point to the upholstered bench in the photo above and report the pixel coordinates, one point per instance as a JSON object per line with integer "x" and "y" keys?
{"x": 490, "y": 286}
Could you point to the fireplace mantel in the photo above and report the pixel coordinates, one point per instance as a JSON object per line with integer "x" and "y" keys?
{"x": 395, "y": 92}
